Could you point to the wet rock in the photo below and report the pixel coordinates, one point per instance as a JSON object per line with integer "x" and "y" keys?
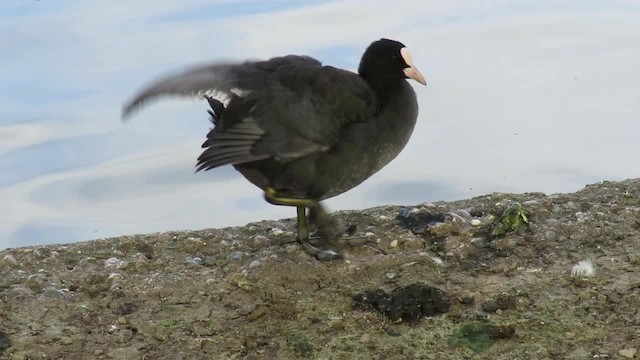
{"x": 408, "y": 303}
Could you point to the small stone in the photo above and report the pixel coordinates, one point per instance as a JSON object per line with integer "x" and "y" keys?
{"x": 54, "y": 293}
{"x": 291, "y": 248}
{"x": 530, "y": 202}
{"x": 115, "y": 262}
{"x": 479, "y": 242}
{"x": 390, "y": 275}
{"x": 209, "y": 261}
{"x": 210, "y": 281}
{"x": 463, "y": 213}
{"x": 394, "y": 244}
{"x": 570, "y": 335}
{"x": 235, "y": 256}
{"x": 550, "y": 235}
{"x": 122, "y": 320}
{"x": 9, "y": 259}
{"x": 98, "y": 352}
{"x": 164, "y": 237}
{"x": 628, "y": 353}
{"x": 277, "y": 232}
{"x": 195, "y": 261}
{"x": 476, "y": 222}
{"x": 254, "y": 264}
{"x": 634, "y": 259}
{"x": 114, "y": 277}
{"x": 66, "y": 340}
{"x": 365, "y": 338}
{"x": 369, "y": 234}
{"x": 383, "y": 218}
{"x": 259, "y": 239}
{"x": 571, "y": 205}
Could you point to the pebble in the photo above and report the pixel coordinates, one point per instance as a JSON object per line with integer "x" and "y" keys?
{"x": 550, "y": 235}
{"x": 210, "y": 281}
{"x": 9, "y": 259}
{"x": 54, "y": 293}
{"x": 291, "y": 248}
{"x": 115, "y": 262}
{"x": 277, "y": 232}
{"x": 259, "y": 239}
{"x": 628, "y": 353}
{"x": 464, "y": 213}
{"x": 209, "y": 261}
{"x": 369, "y": 234}
{"x": 114, "y": 277}
{"x": 394, "y": 243}
{"x": 235, "y": 256}
{"x": 254, "y": 264}
{"x": 476, "y": 222}
{"x": 365, "y": 338}
{"x": 195, "y": 260}
{"x": 479, "y": 242}
{"x": 122, "y": 320}
{"x": 530, "y": 202}
{"x": 390, "y": 275}
{"x": 571, "y": 205}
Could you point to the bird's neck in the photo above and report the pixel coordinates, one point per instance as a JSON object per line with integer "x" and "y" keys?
{"x": 385, "y": 88}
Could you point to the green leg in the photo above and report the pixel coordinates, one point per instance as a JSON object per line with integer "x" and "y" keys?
{"x": 303, "y": 229}
{"x": 272, "y": 196}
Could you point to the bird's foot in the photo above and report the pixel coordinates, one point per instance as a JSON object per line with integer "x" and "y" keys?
{"x": 329, "y": 244}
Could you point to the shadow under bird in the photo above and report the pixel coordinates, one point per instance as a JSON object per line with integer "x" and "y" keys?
{"x": 300, "y": 131}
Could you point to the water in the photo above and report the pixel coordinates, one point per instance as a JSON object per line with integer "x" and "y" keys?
{"x": 522, "y": 96}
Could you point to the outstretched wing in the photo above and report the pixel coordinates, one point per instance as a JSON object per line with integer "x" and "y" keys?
{"x": 283, "y": 108}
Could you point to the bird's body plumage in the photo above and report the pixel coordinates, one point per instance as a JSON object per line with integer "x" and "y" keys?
{"x": 308, "y": 130}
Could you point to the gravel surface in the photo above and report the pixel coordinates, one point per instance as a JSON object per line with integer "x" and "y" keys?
{"x": 512, "y": 276}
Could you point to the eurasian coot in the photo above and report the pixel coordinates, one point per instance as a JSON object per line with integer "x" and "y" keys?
{"x": 301, "y": 131}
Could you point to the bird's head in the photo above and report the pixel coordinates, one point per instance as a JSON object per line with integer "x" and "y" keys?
{"x": 387, "y": 61}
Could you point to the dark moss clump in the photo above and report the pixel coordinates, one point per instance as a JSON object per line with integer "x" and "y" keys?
{"x": 5, "y": 342}
{"x": 408, "y": 303}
